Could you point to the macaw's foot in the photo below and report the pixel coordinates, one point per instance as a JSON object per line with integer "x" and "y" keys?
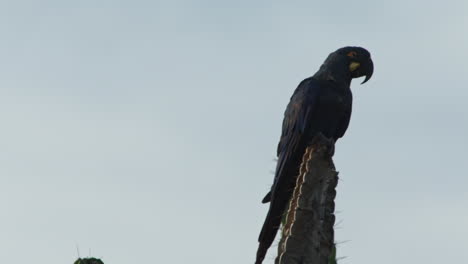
{"x": 331, "y": 147}
{"x": 327, "y": 143}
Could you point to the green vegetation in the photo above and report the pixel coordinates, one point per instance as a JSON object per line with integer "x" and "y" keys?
{"x": 88, "y": 261}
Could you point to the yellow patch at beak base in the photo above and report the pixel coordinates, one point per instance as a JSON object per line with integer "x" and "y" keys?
{"x": 354, "y": 65}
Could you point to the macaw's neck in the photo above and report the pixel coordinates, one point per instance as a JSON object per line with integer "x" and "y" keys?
{"x": 334, "y": 70}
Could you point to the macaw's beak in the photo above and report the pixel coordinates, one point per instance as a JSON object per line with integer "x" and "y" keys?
{"x": 367, "y": 70}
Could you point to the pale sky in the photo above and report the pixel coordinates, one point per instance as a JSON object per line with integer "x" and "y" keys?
{"x": 145, "y": 131}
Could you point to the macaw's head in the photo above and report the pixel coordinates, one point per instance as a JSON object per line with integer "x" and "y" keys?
{"x": 358, "y": 61}
{"x": 345, "y": 64}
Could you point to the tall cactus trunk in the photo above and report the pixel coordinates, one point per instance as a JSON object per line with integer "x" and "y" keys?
{"x": 307, "y": 235}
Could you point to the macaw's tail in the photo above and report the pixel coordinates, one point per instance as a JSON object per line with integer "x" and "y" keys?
{"x": 270, "y": 228}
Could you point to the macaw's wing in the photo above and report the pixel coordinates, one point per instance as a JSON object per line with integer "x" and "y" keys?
{"x": 294, "y": 139}
{"x": 295, "y": 123}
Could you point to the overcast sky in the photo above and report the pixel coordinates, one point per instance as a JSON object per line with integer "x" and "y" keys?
{"x": 145, "y": 131}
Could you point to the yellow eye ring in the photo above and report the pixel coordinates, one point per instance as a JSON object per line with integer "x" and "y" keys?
{"x": 354, "y": 66}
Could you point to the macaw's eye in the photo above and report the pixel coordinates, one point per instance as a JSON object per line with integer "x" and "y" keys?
{"x": 351, "y": 54}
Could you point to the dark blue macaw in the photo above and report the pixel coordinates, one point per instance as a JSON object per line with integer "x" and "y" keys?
{"x": 320, "y": 104}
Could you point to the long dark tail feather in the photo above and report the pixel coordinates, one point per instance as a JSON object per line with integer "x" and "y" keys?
{"x": 286, "y": 170}
{"x": 261, "y": 252}
{"x": 270, "y": 228}
{"x": 267, "y": 236}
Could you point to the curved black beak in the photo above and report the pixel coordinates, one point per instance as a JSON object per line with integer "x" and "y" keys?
{"x": 367, "y": 70}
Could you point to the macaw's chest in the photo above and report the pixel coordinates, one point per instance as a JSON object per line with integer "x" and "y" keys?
{"x": 332, "y": 113}
{"x": 335, "y": 102}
